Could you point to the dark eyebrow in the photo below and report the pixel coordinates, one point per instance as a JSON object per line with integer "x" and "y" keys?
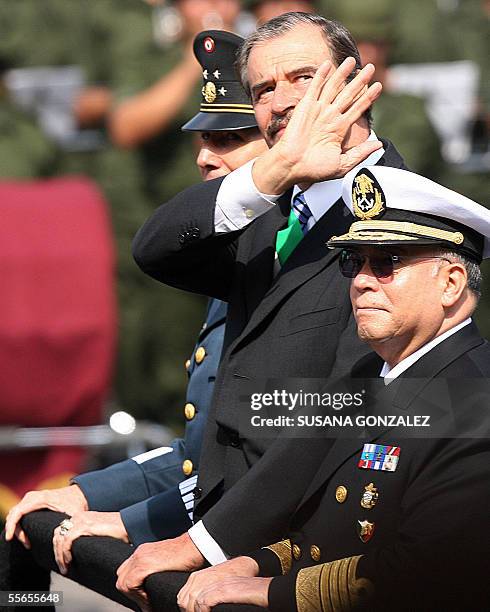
{"x": 258, "y": 86}
{"x": 301, "y": 70}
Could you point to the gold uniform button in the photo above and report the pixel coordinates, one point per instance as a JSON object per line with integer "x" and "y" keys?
{"x": 315, "y": 553}
{"x": 341, "y": 494}
{"x": 200, "y": 354}
{"x": 187, "y": 467}
{"x": 296, "y": 552}
{"x": 187, "y": 364}
{"x": 189, "y": 411}
{"x": 249, "y": 213}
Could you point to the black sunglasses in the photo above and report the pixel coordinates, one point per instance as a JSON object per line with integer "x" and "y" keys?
{"x": 383, "y": 264}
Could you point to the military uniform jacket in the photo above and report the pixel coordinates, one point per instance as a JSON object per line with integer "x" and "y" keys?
{"x": 146, "y": 489}
{"x": 296, "y": 324}
{"x": 427, "y": 541}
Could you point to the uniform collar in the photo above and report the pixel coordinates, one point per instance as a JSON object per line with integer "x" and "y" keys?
{"x": 390, "y": 374}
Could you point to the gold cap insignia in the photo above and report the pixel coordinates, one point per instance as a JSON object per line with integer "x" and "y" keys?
{"x": 366, "y": 530}
{"x": 367, "y": 196}
{"x": 209, "y": 92}
{"x": 370, "y": 496}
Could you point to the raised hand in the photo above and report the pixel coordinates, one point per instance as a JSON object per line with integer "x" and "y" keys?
{"x": 313, "y": 145}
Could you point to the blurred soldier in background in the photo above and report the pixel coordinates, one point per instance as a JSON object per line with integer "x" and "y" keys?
{"x": 402, "y": 117}
{"x": 25, "y": 150}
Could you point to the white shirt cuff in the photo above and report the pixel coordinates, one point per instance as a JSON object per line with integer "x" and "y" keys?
{"x": 238, "y": 202}
{"x": 208, "y": 547}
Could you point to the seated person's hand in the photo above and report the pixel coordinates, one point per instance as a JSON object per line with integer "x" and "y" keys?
{"x": 69, "y": 500}
{"x": 201, "y": 580}
{"x": 252, "y": 591}
{"x": 177, "y": 554}
{"x": 85, "y": 524}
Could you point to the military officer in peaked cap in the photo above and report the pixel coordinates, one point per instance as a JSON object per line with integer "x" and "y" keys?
{"x": 150, "y": 497}
{"x": 393, "y": 521}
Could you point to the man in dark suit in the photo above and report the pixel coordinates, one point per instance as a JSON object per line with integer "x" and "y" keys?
{"x": 284, "y": 320}
{"x": 399, "y": 519}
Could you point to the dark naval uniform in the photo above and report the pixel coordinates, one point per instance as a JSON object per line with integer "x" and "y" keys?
{"x": 409, "y": 539}
{"x": 397, "y": 517}
{"x": 146, "y": 489}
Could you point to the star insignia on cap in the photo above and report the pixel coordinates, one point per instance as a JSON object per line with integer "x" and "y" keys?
{"x": 217, "y": 74}
{"x": 205, "y": 74}
{"x": 222, "y": 91}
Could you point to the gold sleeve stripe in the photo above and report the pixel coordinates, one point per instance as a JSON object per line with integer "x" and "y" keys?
{"x": 282, "y": 550}
{"x": 227, "y": 110}
{"x": 227, "y": 104}
{"x": 332, "y": 587}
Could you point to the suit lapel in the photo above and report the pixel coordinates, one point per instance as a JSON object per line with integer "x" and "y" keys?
{"x": 344, "y": 448}
{"x": 307, "y": 260}
{"x": 260, "y": 266}
{"x": 399, "y": 394}
{"x": 434, "y": 362}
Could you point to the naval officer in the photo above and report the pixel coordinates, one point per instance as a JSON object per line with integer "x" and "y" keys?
{"x": 392, "y": 521}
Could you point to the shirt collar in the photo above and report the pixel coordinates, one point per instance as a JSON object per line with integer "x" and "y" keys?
{"x": 320, "y": 197}
{"x": 390, "y": 374}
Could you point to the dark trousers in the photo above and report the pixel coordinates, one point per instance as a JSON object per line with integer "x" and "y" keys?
{"x": 94, "y": 565}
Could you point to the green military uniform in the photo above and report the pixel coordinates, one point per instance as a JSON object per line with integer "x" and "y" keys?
{"x": 150, "y": 372}
{"x": 402, "y": 118}
{"x": 25, "y": 151}
{"x": 112, "y": 41}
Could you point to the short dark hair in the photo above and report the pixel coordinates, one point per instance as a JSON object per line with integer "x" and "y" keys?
{"x": 339, "y": 40}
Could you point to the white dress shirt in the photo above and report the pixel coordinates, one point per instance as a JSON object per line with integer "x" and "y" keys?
{"x": 238, "y": 203}
{"x": 390, "y": 374}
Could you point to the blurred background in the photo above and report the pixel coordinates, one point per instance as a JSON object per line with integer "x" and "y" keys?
{"x": 92, "y": 97}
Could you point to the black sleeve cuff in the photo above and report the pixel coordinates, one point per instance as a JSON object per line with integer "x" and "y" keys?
{"x": 268, "y": 562}
{"x": 282, "y": 594}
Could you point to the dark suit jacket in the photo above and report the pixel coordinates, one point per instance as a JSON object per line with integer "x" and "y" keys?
{"x": 430, "y": 542}
{"x": 297, "y": 324}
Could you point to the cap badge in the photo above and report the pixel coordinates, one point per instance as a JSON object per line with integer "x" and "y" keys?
{"x": 367, "y": 196}
{"x": 370, "y": 496}
{"x": 365, "y": 530}
{"x": 209, "y": 44}
{"x": 209, "y": 92}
